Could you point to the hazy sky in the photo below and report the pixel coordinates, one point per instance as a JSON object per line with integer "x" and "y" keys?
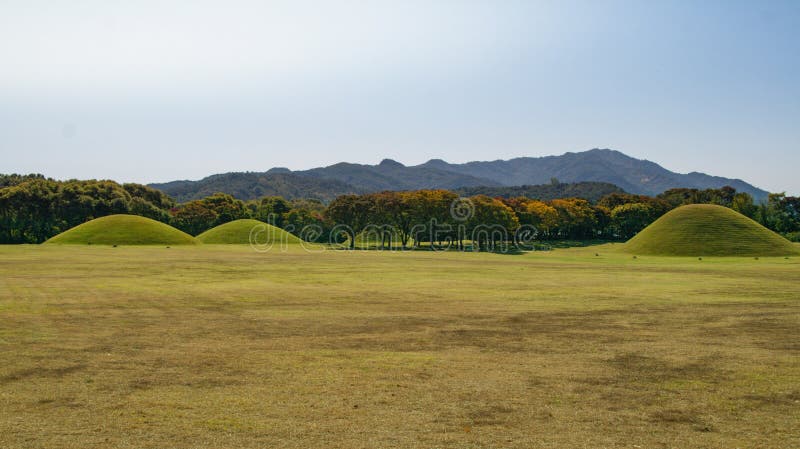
{"x": 155, "y": 91}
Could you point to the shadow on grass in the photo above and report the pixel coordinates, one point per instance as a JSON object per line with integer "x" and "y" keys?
{"x": 506, "y": 248}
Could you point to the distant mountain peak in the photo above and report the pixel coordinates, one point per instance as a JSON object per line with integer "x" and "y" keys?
{"x": 436, "y": 163}
{"x": 390, "y": 163}
{"x": 274, "y": 170}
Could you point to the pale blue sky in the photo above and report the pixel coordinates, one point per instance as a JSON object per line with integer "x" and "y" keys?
{"x": 154, "y": 91}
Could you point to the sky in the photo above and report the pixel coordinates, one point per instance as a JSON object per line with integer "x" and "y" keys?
{"x": 152, "y": 91}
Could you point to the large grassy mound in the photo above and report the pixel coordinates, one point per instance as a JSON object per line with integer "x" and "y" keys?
{"x": 708, "y": 230}
{"x": 240, "y": 232}
{"x": 123, "y": 230}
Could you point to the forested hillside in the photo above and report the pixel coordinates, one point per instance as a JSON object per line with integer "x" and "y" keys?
{"x": 325, "y": 183}
{"x": 248, "y": 186}
{"x": 591, "y": 191}
{"x": 601, "y": 165}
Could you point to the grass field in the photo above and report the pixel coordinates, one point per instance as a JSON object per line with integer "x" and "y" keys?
{"x": 222, "y": 346}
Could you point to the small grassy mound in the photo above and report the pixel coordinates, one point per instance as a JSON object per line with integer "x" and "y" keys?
{"x": 708, "y": 230}
{"x": 240, "y": 232}
{"x": 123, "y": 230}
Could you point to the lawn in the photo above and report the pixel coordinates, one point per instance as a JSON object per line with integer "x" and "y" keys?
{"x": 222, "y": 346}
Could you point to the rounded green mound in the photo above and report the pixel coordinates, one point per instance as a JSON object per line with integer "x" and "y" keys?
{"x": 123, "y": 230}
{"x": 708, "y": 230}
{"x": 245, "y": 231}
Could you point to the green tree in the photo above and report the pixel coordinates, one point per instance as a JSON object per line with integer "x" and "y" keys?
{"x": 743, "y": 203}
{"x": 226, "y": 207}
{"x": 351, "y": 214}
{"x": 628, "y": 219}
{"x": 576, "y": 218}
{"x": 538, "y": 214}
{"x": 782, "y": 213}
{"x": 430, "y": 215}
{"x": 270, "y": 209}
{"x": 26, "y": 211}
{"x": 396, "y": 210}
{"x": 194, "y": 217}
{"x": 493, "y": 221}
{"x": 149, "y": 202}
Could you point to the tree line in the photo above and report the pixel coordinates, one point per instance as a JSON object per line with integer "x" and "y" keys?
{"x": 34, "y": 208}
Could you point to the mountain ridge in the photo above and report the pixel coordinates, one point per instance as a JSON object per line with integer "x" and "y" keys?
{"x": 639, "y": 176}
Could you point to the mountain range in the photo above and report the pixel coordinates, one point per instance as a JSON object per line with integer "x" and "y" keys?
{"x": 325, "y": 183}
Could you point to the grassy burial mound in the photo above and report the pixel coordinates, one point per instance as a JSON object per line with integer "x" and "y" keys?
{"x": 708, "y": 230}
{"x": 123, "y": 230}
{"x": 241, "y": 231}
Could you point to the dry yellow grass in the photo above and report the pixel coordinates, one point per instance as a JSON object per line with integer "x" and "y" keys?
{"x": 209, "y": 347}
